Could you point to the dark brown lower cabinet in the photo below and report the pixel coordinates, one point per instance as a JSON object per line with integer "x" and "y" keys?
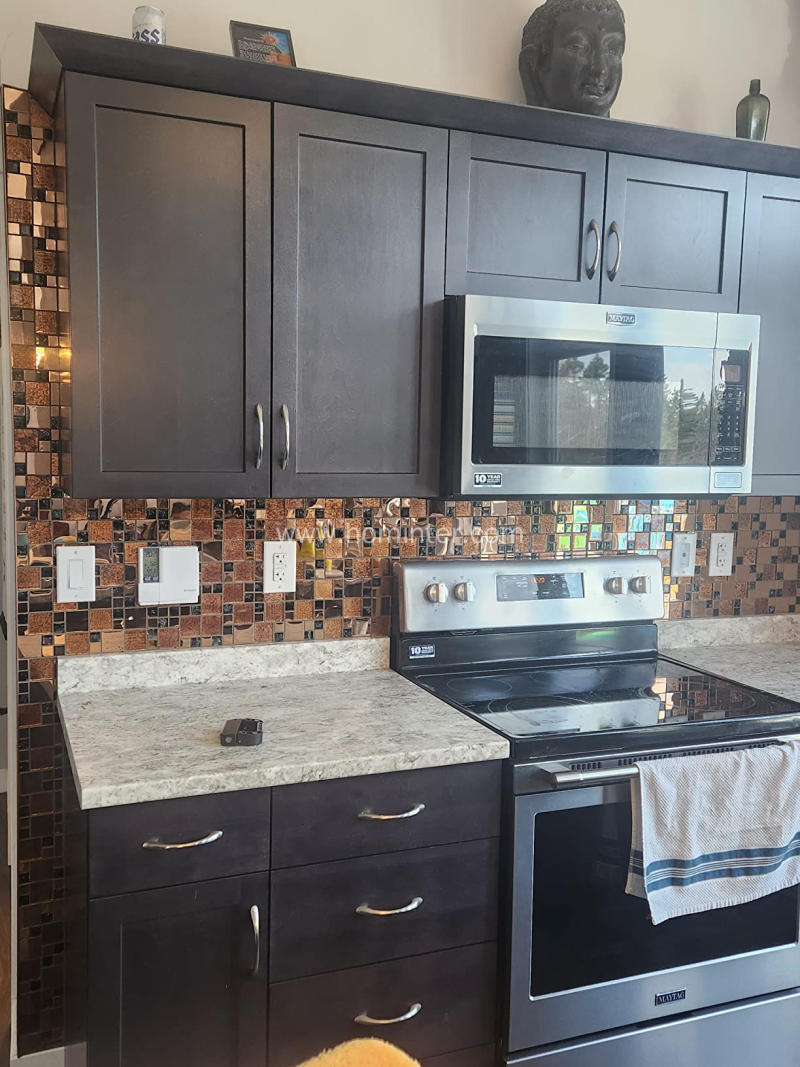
{"x": 455, "y": 991}
{"x": 485, "y": 1056}
{"x": 177, "y": 978}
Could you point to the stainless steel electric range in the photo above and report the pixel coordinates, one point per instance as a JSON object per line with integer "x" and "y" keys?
{"x": 562, "y": 659}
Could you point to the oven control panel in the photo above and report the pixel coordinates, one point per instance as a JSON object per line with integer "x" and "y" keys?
{"x": 493, "y": 594}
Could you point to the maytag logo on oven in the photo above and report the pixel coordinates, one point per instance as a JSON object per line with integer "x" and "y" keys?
{"x": 620, "y": 318}
{"x": 421, "y": 651}
{"x": 487, "y": 478}
{"x": 670, "y": 998}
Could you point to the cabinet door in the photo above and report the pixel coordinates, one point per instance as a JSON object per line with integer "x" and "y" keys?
{"x": 169, "y": 230}
{"x": 359, "y": 228}
{"x": 769, "y": 264}
{"x": 175, "y": 977}
{"x": 673, "y": 235}
{"x": 524, "y": 219}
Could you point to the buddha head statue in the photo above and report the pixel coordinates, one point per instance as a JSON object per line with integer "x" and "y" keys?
{"x": 571, "y": 56}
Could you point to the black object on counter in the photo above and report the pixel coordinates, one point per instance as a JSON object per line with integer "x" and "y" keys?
{"x": 241, "y": 732}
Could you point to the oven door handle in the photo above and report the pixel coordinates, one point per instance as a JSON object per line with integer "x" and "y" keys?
{"x": 564, "y": 779}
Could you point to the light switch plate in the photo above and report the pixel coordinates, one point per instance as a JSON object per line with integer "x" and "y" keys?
{"x": 280, "y": 558}
{"x": 684, "y": 553}
{"x": 720, "y": 555}
{"x": 75, "y": 574}
{"x": 172, "y": 578}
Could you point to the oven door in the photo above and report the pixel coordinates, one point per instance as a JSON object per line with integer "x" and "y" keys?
{"x": 581, "y": 399}
{"x": 584, "y": 955}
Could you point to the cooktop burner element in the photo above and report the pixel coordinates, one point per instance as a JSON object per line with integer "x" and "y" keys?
{"x": 575, "y": 675}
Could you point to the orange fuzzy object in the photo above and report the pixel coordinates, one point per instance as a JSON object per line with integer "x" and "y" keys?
{"x": 364, "y": 1053}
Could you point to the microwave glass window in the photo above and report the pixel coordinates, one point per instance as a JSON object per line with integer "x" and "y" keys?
{"x": 578, "y": 403}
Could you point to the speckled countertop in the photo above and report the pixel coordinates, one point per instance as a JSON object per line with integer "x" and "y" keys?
{"x": 146, "y": 726}
{"x": 761, "y": 651}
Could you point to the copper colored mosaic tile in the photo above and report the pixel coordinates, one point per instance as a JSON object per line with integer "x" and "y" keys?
{"x": 346, "y": 552}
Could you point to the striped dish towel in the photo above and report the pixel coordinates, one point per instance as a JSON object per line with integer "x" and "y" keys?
{"x": 711, "y": 831}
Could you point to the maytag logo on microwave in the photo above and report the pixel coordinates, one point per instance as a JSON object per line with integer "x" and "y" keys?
{"x": 487, "y": 478}
{"x": 620, "y": 318}
{"x": 670, "y": 998}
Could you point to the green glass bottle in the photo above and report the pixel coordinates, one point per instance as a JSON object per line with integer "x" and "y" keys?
{"x": 752, "y": 114}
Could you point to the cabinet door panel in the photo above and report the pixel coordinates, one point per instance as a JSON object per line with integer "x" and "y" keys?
{"x": 168, "y": 195}
{"x": 171, "y": 977}
{"x": 680, "y": 235}
{"x": 518, "y": 218}
{"x": 769, "y": 264}
{"x": 359, "y": 283}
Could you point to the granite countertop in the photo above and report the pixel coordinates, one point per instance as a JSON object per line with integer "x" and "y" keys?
{"x": 760, "y": 651}
{"x": 146, "y": 726}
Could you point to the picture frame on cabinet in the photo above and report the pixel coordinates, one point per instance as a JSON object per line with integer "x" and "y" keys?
{"x": 262, "y": 44}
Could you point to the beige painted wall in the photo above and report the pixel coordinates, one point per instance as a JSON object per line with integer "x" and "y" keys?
{"x": 688, "y": 61}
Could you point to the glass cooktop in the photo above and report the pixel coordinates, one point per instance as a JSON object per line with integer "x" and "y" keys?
{"x": 600, "y": 706}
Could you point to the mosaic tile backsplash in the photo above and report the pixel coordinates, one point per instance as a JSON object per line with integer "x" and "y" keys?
{"x": 345, "y": 557}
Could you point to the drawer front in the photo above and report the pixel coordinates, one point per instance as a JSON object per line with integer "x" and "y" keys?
{"x": 485, "y": 1056}
{"x": 455, "y": 991}
{"x": 319, "y": 821}
{"x": 222, "y": 834}
{"x": 444, "y": 897}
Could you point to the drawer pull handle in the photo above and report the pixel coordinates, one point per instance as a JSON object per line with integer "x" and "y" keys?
{"x": 365, "y": 909}
{"x": 366, "y": 1020}
{"x": 416, "y": 810}
{"x": 163, "y": 846}
{"x": 255, "y": 919}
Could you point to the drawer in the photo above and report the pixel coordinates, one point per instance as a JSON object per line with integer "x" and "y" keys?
{"x": 314, "y": 925}
{"x": 485, "y": 1056}
{"x": 221, "y": 834}
{"x": 319, "y": 821}
{"x": 455, "y": 991}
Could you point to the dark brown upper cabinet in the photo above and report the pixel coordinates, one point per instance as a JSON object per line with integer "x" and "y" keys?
{"x": 673, "y": 235}
{"x": 524, "y": 219}
{"x": 168, "y": 196}
{"x": 179, "y": 976}
{"x": 769, "y": 265}
{"x": 359, "y": 236}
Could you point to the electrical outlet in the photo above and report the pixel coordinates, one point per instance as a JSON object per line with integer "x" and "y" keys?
{"x": 684, "y": 552}
{"x": 280, "y": 558}
{"x": 720, "y": 556}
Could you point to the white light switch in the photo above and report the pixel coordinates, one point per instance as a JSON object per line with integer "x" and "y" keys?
{"x": 169, "y": 575}
{"x": 280, "y": 558}
{"x": 684, "y": 553}
{"x": 74, "y": 573}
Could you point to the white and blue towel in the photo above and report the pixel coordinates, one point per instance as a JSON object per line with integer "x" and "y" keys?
{"x": 711, "y": 831}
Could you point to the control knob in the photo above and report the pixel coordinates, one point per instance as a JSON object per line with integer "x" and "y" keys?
{"x": 436, "y": 592}
{"x": 639, "y": 584}
{"x": 615, "y": 586}
{"x": 464, "y": 591}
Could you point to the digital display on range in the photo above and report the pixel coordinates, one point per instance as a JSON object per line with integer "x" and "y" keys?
{"x": 515, "y": 587}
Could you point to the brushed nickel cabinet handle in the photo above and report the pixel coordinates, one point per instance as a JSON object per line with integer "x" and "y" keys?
{"x": 164, "y": 846}
{"x": 617, "y": 232}
{"x": 594, "y": 227}
{"x": 260, "y": 452}
{"x": 416, "y": 810}
{"x": 287, "y": 437}
{"x": 365, "y": 909}
{"x": 366, "y": 1020}
{"x": 255, "y": 919}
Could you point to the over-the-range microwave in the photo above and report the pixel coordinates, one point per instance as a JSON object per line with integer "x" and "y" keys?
{"x": 548, "y": 398}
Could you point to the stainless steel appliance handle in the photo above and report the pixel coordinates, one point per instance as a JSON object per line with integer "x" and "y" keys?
{"x": 365, "y": 909}
{"x": 165, "y": 846}
{"x": 287, "y": 437}
{"x": 366, "y": 1020}
{"x": 260, "y": 452}
{"x": 416, "y": 810}
{"x": 255, "y": 919}
{"x": 594, "y": 227}
{"x": 614, "y": 229}
{"x": 561, "y": 779}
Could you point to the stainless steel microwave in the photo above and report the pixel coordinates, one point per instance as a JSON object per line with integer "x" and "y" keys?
{"x": 548, "y": 398}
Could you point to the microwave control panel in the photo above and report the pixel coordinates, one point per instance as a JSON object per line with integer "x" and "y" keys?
{"x": 731, "y": 401}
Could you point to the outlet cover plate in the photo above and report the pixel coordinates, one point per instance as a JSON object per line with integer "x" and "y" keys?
{"x": 280, "y": 559}
{"x": 720, "y": 555}
{"x": 684, "y": 554}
